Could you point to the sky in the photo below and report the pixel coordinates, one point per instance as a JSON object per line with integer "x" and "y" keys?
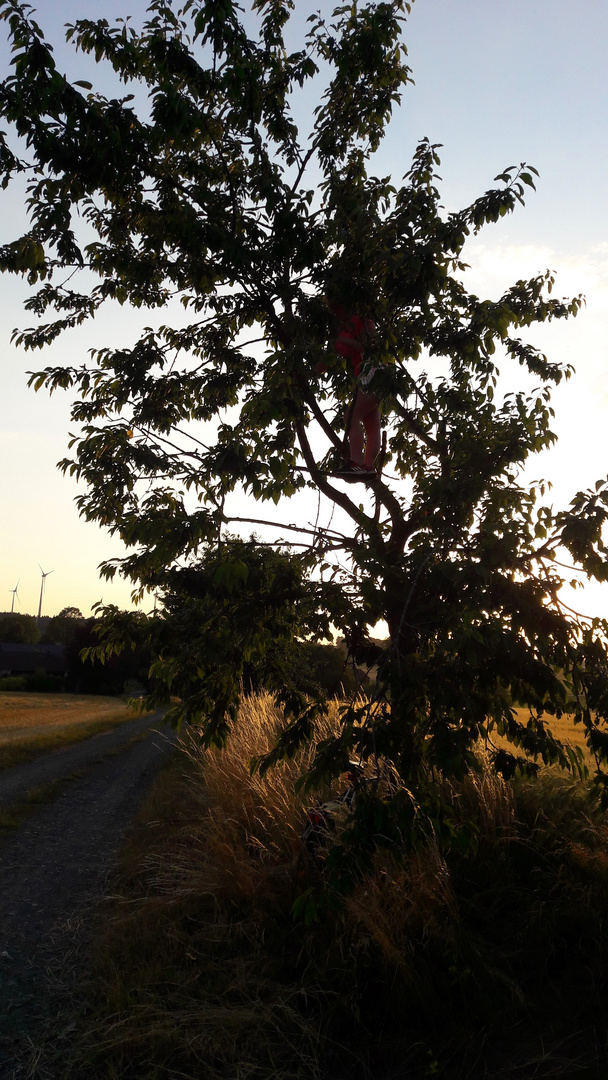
{"x": 496, "y": 84}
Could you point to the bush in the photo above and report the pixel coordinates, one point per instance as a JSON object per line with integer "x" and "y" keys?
{"x": 13, "y": 682}
{"x": 328, "y": 667}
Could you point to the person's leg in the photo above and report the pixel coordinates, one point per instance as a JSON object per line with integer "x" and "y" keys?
{"x": 373, "y": 436}
{"x": 364, "y": 430}
{"x": 356, "y": 433}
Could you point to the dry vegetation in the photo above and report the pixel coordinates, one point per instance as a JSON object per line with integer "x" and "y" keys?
{"x": 481, "y": 962}
{"x": 33, "y": 723}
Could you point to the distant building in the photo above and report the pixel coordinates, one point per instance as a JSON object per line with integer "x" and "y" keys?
{"x": 31, "y": 659}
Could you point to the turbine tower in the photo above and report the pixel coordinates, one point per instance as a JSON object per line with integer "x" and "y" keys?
{"x": 15, "y": 596}
{"x": 44, "y": 577}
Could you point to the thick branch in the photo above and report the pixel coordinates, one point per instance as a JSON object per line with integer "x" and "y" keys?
{"x": 318, "y": 414}
{"x": 322, "y": 483}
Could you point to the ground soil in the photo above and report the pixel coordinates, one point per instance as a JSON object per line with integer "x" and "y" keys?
{"x": 53, "y": 872}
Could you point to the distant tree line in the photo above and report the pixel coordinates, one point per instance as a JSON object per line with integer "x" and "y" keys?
{"x": 16, "y": 629}
{"x": 308, "y": 665}
{"x": 74, "y": 632}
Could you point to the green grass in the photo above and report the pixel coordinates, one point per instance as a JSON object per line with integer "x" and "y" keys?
{"x": 489, "y": 963}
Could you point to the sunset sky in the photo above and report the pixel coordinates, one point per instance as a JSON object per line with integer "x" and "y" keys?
{"x": 496, "y": 84}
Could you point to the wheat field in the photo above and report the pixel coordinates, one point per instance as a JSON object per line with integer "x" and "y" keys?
{"x": 563, "y": 728}
{"x": 23, "y": 715}
{"x": 32, "y": 724}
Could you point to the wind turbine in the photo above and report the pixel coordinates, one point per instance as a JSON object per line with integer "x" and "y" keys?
{"x": 44, "y": 577}
{"x": 15, "y": 596}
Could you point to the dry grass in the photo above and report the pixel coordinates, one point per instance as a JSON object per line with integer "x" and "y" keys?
{"x": 265, "y": 813}
{"x": 194, "y": 967}
{"x": 32, "y": 723}
{"x": 200, "y": 969}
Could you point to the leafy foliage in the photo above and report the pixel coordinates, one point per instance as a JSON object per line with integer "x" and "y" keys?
{"x": 210, "y": 194}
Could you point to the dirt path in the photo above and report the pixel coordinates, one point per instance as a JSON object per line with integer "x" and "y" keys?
{"x": 19, "y": 779}
{"x": 53, "y": 869}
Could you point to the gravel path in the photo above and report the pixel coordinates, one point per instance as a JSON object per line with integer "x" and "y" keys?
{"x": 18, "y": 780}
{"x": 53, "y": 870}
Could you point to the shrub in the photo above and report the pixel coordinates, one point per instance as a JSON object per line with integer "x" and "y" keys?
{"x": 13, "y": 682}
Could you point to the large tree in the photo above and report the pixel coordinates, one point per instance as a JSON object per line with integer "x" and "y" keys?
{"x": 206, "y": 191}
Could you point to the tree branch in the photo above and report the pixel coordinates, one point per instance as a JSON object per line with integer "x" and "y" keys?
{"x": 317, "y": 412}
{"x": 294, "y": 528}
{"x": 366, "y": 523}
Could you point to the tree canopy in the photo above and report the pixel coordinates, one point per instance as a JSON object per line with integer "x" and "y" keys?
{"x": 63, "y": 629}
{"x": 201, "y": 184}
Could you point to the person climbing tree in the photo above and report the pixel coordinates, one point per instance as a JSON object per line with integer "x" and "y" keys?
{"x": 362, "y": 420}
{"x": 353, "y": 340}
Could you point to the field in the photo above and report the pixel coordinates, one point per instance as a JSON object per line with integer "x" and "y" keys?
{"x": 34, "y": 723}
{"x": 564, "y": 729}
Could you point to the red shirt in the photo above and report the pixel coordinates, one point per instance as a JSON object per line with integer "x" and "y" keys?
{"x": 352, "y": 339}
